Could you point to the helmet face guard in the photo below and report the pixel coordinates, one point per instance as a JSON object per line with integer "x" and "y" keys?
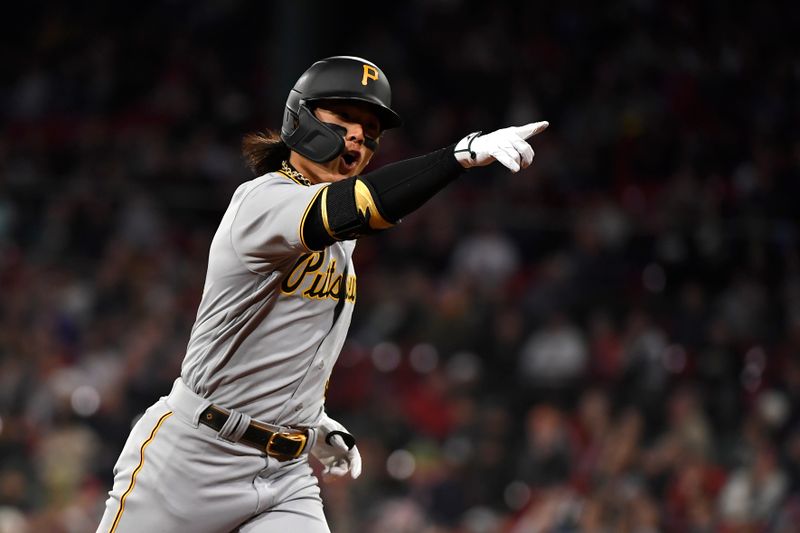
{"x": 312, "y": 138}
{"x": 340, "y": 78}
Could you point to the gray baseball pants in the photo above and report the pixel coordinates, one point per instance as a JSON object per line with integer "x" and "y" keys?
{"x": 176, "y": 475}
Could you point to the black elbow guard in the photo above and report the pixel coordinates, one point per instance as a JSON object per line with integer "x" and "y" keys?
{"x": 344, "y": 210}
{"x": 350, "y": 209}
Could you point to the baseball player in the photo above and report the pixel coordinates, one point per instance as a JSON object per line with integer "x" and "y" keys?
{"x": 228, "y": 449}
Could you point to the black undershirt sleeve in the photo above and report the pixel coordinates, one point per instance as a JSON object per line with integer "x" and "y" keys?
{"x": 398, "y": 189}
{"x": 403, "y": 187}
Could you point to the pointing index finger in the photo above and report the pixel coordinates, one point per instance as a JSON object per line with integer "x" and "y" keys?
{"x": 529, "y": 130}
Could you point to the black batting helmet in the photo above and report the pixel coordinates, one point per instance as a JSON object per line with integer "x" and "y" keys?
{"x": 333, "y": 78}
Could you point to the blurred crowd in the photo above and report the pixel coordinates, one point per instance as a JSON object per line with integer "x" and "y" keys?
{"x": 606, "y": 342}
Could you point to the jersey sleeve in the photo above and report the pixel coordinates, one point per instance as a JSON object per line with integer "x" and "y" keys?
{"x": 266, "y": 226}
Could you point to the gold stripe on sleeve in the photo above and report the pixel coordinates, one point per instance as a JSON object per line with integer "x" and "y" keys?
{"x": 308, "y": 210}
{"x": 365, "y": 204}
{"x": 325, "y": 214}
{"x": 136, "y": 471}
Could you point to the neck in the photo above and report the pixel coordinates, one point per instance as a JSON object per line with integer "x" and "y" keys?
{"x": 313, "y": 172}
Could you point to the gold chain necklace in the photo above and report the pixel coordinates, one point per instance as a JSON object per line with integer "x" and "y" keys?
{"x": 292, "y": 173}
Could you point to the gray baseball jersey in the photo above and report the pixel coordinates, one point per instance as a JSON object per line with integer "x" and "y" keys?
{"x": 264, "y": 341}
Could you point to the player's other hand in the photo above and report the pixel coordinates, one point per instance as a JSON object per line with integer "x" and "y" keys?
{"x": 508, "y": 146}
{"x": 345, "y": 460}
{"x": 336, "y": 449}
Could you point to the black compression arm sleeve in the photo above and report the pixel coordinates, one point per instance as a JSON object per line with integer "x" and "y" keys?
{"x": 397, "y": 190}
{"x": 404, "y": 186}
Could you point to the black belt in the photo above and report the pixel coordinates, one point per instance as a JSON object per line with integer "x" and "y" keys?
{"x": 281, "y": 445}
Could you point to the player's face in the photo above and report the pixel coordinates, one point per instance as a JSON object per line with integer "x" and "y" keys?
{"x": 362, "y": 130}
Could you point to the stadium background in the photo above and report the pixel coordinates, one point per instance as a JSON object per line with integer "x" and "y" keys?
{"x": 609, "y": 341}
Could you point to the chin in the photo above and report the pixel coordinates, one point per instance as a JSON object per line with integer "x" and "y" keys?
{"x": 346, "y": 172}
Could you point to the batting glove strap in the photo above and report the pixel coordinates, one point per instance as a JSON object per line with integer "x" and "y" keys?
{"x": 348, "y": 439}
{"x": 469, "y": 139}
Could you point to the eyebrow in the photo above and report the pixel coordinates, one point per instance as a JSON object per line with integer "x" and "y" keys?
{"x": 368, "y": 122}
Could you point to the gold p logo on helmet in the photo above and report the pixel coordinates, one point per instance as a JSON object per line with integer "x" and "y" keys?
{"x": 370, "y": 73}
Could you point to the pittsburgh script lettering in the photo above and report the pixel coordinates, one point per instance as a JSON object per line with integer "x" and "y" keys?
{"x": 322, "y": 282}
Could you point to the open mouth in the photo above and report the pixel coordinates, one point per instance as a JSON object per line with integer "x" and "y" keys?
{"x": 350, "y": 159}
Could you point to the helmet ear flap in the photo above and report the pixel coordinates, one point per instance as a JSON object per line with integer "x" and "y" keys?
{"x": 310, "y": 137}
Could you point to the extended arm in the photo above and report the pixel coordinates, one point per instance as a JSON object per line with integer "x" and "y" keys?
{"x": 365, "y": 204}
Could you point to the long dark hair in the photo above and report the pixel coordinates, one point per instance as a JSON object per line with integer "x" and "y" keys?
{"x": 264, "y": 151}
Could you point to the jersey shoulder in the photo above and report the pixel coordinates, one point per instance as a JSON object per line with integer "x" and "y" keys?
{"x": 271, "y": 181}
{"x": 275, "y": 178}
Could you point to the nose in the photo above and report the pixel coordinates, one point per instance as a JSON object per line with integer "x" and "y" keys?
{"x": 355, "y": 133}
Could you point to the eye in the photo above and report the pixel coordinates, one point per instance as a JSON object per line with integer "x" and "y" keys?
{"x": 371, "y": 143}
{"x": 341, "y": 130}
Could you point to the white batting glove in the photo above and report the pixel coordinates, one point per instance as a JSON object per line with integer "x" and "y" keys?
{"x": 336, "y": 449}
{"x": 508, "y": 146}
